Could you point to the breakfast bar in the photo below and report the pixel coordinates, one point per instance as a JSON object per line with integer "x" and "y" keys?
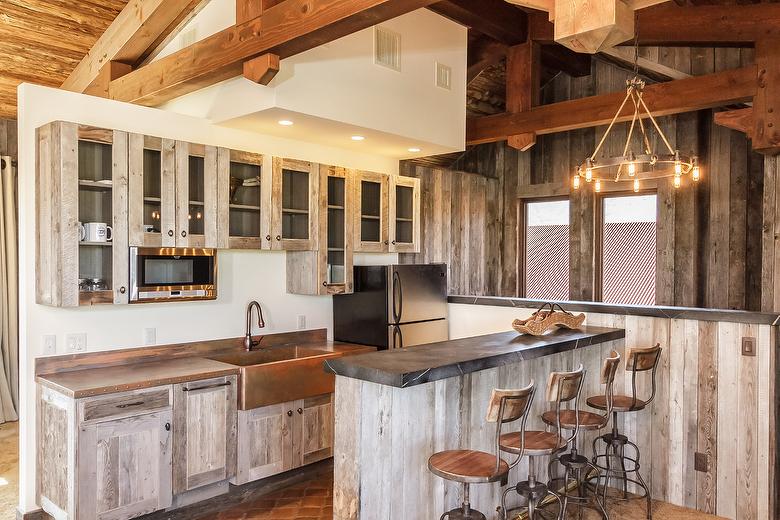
{"x": 394, "y": 409}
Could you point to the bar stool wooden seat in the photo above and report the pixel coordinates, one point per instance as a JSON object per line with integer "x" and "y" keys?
{"x": 638, "y": 360}
{"x": 576, "y": 465}
{"x": 479, "y": 467}
{"x": 562, "y": 387}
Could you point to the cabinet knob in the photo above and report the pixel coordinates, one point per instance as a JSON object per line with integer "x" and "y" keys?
{"x": 393, "y": 242}
{"x": 324, "y": 284}
{"x": 289, "y": 413}
{"x": 183, "y": 234}
{"x": 386, "y": 242}
{"x": 300, "y": 411}
{"x": 170, "y": 232}
{"x": 122, "y": 290}
{"x": 278, "y": 237}
{"x": 268, "y": 237}
{"x": 167, "y": 427}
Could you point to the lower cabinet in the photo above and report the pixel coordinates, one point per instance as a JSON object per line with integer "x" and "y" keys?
{"x": 280, "y": 437}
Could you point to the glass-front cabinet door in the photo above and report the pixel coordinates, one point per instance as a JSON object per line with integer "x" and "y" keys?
{"x": 152, "y": 191}
{"x": 295, "y": 196}
{"x": 196, "y": 195}
{"x": 371, "y": 213}
{"x": 327, "y": 270}
{"x": 81, "y": 205}
{"x": 242, "y": 188}
{"x": 404, "y": 215}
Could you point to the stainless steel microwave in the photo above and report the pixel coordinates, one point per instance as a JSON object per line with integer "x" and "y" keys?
{"x": 160, "y": 274}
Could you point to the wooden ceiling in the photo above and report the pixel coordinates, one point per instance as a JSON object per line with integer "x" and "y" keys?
{"x": 41, "y": 41}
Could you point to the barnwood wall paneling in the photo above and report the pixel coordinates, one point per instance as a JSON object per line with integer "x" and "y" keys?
{"x": 709, "y": 245}
{"x": 8, "y": 141}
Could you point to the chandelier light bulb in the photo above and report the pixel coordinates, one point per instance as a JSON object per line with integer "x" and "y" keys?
{"x": 636, "y": 185}
{"x": 588, "y": 174}
{"x": 677, "y": 168}
{"x": 696, "y": 175}
{"x": 631, "y": 169}
{"x": 597, "y": 187}
{"x": 576, "y": 182}
{"x": 677, "y": 181}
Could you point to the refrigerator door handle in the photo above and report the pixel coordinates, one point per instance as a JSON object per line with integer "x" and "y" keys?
{"x": 397, "y": 297}
{"x": 398, "y": 341}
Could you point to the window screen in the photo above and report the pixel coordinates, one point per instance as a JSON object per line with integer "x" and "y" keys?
{"x": 628, "y": 249}
{"x": 547, "y": 250}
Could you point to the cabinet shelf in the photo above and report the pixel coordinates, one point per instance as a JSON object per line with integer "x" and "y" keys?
{"x": 152, "y": 199}
{"x": 195, "y": 203}
{"x": 370, "y": 217}
{"x": 403, "y": 219}
{"x": 96, "y": 244}
{"x": 333, "y": 206}
{"x": 338, "y": 249}
{"x": 244, "y": 207}
{"x": 295, "y": 211}
{"x": 96, "y": 185}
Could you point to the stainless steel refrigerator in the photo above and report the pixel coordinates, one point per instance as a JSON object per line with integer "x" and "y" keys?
{"x": 393, "y": 306}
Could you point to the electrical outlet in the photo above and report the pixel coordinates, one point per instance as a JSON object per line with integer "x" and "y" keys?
{"x": 748, "y": 346}
{"x": 76, "y": 342}
{"x": 150, "y": 336}
{"x": 49, "y": 344}
{"x": 701, "y": 462}
{"x": 301, "y": 322}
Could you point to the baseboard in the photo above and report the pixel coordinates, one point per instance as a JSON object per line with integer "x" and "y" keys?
{"x": 38, "y": 514}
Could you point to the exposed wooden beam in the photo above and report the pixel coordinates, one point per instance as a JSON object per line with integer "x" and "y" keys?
{"x": 740, "y": 120}
{"x": 134, "y": 30}
{"x": 685, "y": 95}
{"x": 624, "y": 57}
{"x": 108, "y": 73}
{"x": 171, "y": 31}
{"x": 494, "y": 18}
{"x": 558, "y": 57}
{"x": 523, "y": 72}
{"x": 766, "y": 104}
{"x": 250, "y": 9}
{"x": 262, "y": 69}
{"x": 483, "y": 53}
{"x": 286, "y": 29}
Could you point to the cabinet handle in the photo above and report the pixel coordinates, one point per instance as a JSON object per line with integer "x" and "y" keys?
{"x": 128, "y": 405}
{"x": 167, "y": 427}
{"x": 215, "y": 385}
{"x": 268, "y": 237}
{"x": 183, "y": 234}
{"x": 289, "y": 413}
{"x": 278, "y": 237}
{"x": 122, "y": 290}
{"x": 300, "y": 411}
{"x": 170, "y": 232}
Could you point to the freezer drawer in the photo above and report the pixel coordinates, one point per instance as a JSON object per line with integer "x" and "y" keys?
{"x": 411, "y": 334}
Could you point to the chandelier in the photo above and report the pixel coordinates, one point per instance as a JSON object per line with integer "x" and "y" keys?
{"x": 631, "y": 166}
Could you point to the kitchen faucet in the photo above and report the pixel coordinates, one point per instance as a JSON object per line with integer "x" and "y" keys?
{"x": 248, "y": 341}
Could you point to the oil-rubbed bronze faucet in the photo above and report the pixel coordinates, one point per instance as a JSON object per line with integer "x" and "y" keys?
{"x": 248, "y": 341}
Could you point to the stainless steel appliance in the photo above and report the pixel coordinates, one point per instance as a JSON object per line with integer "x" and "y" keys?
{"x": 393, "y": 306}
{"x": 172, "y": 274}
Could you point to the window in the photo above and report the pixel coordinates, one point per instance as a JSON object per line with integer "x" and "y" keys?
{"x": 628, "y": 249}
{"x": 547, "y": 250}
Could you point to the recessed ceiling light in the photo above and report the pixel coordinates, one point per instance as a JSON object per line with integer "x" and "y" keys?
{"x": 358, "y": 138}
{"x": 414, "y": 150}
{"x": 285, "y": 122}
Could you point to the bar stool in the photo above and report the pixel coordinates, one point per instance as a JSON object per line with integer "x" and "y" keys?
{"x": 638, "y": 360}
{"x": 562, "y": 387}
{"x": 576, "y": 465}
{"x": 479, "y": 467}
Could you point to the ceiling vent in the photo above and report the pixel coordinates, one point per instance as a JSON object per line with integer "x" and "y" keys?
{"x": 443, "y": 76}
{"x": 387, "y": 48}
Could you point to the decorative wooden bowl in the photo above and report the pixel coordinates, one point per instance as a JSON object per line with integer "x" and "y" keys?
{"x": 548, "y": 317}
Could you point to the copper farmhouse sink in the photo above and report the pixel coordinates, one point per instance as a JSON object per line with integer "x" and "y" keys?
{"x": 279, "y": 374}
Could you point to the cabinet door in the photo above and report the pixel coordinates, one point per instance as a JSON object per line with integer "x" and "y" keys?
{"x": 81, "y": 179}
{"x": 404, "y": 215}
{"x": 316, "y": 423}
{"x": 266, "y": 437}
{"x": 371, "y": 213}
{"x": 196, "y": 195}
{"x": 204, "y": 438}
{"x": 152, "y": 191}
{"x": 124, "y": 467}
{"x": 241, "y": 199}
{"x": 295, "y": 200}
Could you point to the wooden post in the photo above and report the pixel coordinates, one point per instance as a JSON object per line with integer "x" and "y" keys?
{"x": 522, "y": 87}
{"x": 766, "y": 103}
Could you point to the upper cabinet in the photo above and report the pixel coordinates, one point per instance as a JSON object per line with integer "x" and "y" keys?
{"x": 196, "y": 195}
{"x": 81, "y": 207}
{"x": 405, "y": 215}
{"x": 327, "y": 270}
{"x": 242, "y": 212}
{"x": 294, "y": 205}
{"x": 152, "y": 191}
{"x": 371, "y": 212}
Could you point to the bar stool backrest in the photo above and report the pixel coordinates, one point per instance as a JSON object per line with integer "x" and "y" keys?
{"x": 507, "y": 406}
{"x": 642, "y": 359}
{"x": 608, "y": 372}
{"x": 563, "y": 388}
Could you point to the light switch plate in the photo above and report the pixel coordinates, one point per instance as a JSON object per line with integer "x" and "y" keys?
{"x": 150, "y": 336}
{"x": 748, "y": 346}
{"x": 76, "y": 342}
{"x": 49, "y": 344}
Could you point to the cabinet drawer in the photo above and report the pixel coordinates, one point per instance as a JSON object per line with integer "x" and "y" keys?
{"x": 120, "y": 405}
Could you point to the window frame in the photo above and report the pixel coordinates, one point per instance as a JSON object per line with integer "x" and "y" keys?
{"x": 598, "y": 234}
{"x": 522, "y": 239}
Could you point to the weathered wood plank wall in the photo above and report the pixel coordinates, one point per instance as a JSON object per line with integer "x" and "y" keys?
{"x": 709, "y": 251}
{"x": 8, "y": 142}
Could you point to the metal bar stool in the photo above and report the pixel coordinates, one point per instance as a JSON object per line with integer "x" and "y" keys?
{"x": 638, "y": 360}
{"x": 479, "y": 467}
{"x": 577, "y": 466}
{"x": 562, "y": 387}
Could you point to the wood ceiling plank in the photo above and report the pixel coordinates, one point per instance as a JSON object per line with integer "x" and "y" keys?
{"x": 494, "y": 18}
{"x": 286, "y": 29}
{"x": 685, "y": 95}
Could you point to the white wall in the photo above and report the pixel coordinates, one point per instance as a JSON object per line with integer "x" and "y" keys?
{"x": 473, "y": 320}
{"x": 243, "y": 276}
